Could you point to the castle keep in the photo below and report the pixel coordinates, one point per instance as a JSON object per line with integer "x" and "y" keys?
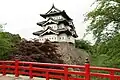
{"x": 57, "y": 27}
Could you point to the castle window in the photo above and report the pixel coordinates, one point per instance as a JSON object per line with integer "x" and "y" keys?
{"x": 55, "y": 17}
{"x": 59, "y": 17}
{"x": 63, "y": 38}
{"x": 55, "y": 37}
{"x": 59, "y": 27}
{"x": 60, "y": 37}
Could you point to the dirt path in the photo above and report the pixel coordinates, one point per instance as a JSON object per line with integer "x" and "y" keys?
{"x": 11, "y": 77}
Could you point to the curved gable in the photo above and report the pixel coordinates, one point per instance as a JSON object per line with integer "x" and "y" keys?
{"x": 50, "y": 20}
{"x": 53, "y": 10}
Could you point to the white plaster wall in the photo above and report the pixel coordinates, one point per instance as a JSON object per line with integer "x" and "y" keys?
{"x": 68, "y": 27}
{"x": 62, "y": 38}
{"x": 61, "y": 26}
{"x": 55, "y": 38}
{"x": 71, "y": 39}
{"x": 56, "y": 17}
{"x": 44, "y": 27}
{"x": 53, "y": 26}
{"x": 51, "y": 37}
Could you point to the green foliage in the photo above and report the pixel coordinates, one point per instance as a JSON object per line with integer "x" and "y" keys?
{"x": 105, "y": 26}
{"x": 7, "y": 43}
{"x": 104, "y": 19}
{"x": 83, "y": 44}
{"x": 112, "y": 51}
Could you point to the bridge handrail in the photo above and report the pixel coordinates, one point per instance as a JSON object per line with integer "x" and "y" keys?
{"x": 47, "y": 68}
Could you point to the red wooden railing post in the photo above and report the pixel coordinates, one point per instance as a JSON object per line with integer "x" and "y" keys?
{"x": 65, "y": 73}
{"x": 3, "y": 68}
{"x": 16, "y": 68}
{"x": 87, "y": 70}
{"x": 47, "y": 75}
{"x": 112, "y": 75}
{"x": 30, "y": 71}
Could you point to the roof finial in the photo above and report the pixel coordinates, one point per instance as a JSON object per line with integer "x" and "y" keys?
{"x": 53, "y": 5}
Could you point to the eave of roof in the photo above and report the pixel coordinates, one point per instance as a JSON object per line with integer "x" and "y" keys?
{"x": 38, "y": 32}
{"x": 40, "y": 23}
{"x": 58, "y": 32}
{"x": 55, "y": 22}
{"x": 43, "y": 32}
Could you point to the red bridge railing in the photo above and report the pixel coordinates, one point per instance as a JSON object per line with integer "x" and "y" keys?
{"x": 58, "y": 71}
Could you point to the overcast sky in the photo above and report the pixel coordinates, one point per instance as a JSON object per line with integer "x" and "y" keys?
{"x": 21, "y": 16}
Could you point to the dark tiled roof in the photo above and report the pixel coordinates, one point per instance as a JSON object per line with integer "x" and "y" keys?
{"x": 40, "y": 23}
{"x": 63, "y": 13}
{"x": 66, "y": 22}
{"x": 38, "y": 32}
{"x": 42, "y": 31}
{"x": 58, "y": 31}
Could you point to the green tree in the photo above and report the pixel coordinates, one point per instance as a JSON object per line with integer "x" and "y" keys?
{"x": 104, "y": 19}
{"x": 7, "y": 43}
{"x": 111, "y": 51}
{"x": 105, "y": 26}
{"x": 83, "y": 44}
